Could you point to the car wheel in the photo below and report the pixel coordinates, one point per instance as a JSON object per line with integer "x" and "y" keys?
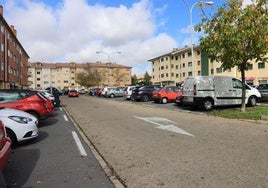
{"x": 207, "y": 104}
{"x": 112, "y": 95}
{"x": 164, "y": 100}
{"x": 12, "y": 136}
{"x": 252, "y": 101}
{"x": 145, "y": 98}
{"x": 35, "y": 115}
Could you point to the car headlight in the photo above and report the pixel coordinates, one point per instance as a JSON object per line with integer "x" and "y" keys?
{"x": 20, "y": 119}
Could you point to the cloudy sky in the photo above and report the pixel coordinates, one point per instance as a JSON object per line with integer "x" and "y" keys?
{"x": 74, "y": 30}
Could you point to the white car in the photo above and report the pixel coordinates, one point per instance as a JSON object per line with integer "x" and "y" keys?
{"x": 48, "y": 95}
{"x": 20, "y": 125}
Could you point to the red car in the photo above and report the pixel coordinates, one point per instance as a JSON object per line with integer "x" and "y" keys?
{"x": 5, "y": 147}
{"x": 166, "y": 94}
{"x": 73, "y": 93}
{"x": 99, "y": 91}
{"x": 26, "y": 100}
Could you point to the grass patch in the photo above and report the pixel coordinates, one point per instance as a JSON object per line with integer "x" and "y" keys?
{"x": 253, "y": 113}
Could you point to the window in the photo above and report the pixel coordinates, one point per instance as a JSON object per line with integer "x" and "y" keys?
{"x": 261, "y": 65}
{"x": 212, "y": 71}
{"x": 198, "y": 62}
{"x": 189, "y": 54}
{"x": 166, "y": 74}
{"x": 218, "y": 70}
{"x": 38, "y": 79}
{"x": 172, "y": 74}
{"x": 236, "y": 83}
{"x": 162, "y": 67}
{"x": 177, "y": 67}
{"x": 162, "y": 75}
{"x": 183, "y": 55}
{"x": 190, "y": 73}
{"x": 189, "y": 64}
{"x": 250, "y": 67}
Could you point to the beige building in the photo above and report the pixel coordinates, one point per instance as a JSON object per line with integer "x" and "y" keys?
{"x": 172, "y": 68}
{"x": 63, "y": 75}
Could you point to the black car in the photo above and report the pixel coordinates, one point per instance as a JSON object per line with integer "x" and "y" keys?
{"x": 56, "y": 93}
{"x": 263, "y": 89}
{"x": 144, "y": 93}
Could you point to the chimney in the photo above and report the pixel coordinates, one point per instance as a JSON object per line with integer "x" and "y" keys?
{"x": 1, "y": 10}
{"x": 13, "y": 30}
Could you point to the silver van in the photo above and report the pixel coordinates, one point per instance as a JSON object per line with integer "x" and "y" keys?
{"x": 209, "y": 91}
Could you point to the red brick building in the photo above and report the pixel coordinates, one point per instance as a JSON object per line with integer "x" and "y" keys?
{"x": 13, "y": 57}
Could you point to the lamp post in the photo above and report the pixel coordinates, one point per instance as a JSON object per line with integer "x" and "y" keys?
{"x": 108, "y": 58}
{"x": 202, "y": 3}
{"x": 108, "y": 54}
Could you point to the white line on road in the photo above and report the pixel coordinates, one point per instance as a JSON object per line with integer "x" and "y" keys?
{"x": 149, "y": 105}
{"x": 60, "y": 108}
{"x": 165, "y": 124}
{"x": 65, "y": 117}
{"x": 79, "y": 144}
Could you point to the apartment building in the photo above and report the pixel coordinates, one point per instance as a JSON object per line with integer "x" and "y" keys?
{"x": 173, "y": 67}
{"x": 13, "y": 57}
{"x": 63, "y": 75}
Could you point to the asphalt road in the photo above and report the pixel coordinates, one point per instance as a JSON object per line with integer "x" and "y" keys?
{"x": 157, "y": 147}
{"x": 54, "y": 160}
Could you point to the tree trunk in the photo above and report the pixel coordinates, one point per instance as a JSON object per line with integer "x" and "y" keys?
{"x": 243, "y": 106}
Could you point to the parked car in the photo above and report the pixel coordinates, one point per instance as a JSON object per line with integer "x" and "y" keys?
{"x": 73, "y": 93}
{"x": 5, "y": 148}
{"x": 128, "y": 92}
{"x": 166, "y": 94}
{"x": 209, "y": 91}
{"x": 56, "y": 93}
{"x": 114, "y": 92}
{"x": 29, "y": 101}
{"x": 20, "y": 125}
{"x": 178, "y": 99}
{"x": 263, "y": 89}
{"x": 99, "y": 92}
{"x": 103, "y": 91}
{"x": 93, "y": 91}
{"x": 48, "y": 95}
{"x": 144, "y": 93}
{"x": 82, "y": 91}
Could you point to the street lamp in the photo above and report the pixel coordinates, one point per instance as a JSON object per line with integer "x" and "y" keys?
{"x": 108, "y": 54}
{"x": 108, "y": 58}
{"x": 202, "y": 3}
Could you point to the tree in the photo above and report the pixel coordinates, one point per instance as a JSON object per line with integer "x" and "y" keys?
{"x": 147, "y": 79}
{"x": 88, "y": 79}
{"x": 134, "y": 80}
{"x": 236, "y": 35}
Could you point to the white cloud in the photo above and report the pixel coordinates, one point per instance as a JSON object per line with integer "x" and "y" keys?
{"x": 74, "y": 31}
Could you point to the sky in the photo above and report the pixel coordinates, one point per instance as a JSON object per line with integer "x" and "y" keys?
{"x": 54, "y": 31}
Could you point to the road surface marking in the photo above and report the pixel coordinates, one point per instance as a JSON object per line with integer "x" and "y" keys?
{"x": 65, "y": 117}
{"x": 152, "y": 106}
{"x": 81, "y": 149}
{"x": 165, "y": 124}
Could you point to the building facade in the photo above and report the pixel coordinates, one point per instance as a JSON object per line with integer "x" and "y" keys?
{"x": 13, "y": 57}
{"x": 172, "y": 68}
{"x": 63, "y": 75}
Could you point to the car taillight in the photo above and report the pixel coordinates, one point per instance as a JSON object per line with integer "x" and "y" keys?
{"x": 194, "y": 89}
